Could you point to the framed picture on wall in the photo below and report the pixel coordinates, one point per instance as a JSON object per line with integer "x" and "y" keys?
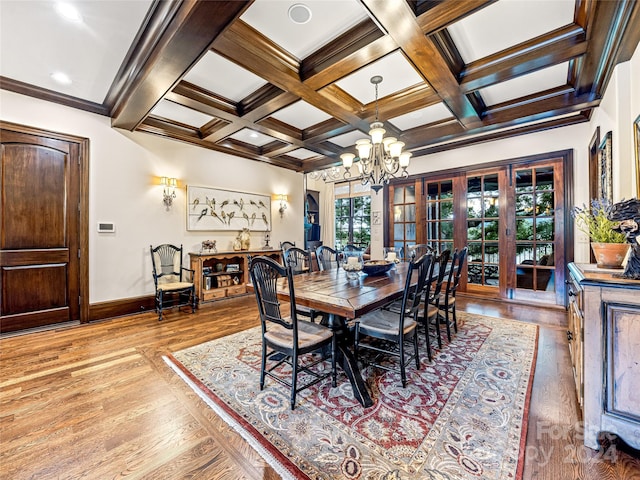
{"x": 605, "y": 168}
{"x": 636, "y": 141}
{"x": 217, "y": 209}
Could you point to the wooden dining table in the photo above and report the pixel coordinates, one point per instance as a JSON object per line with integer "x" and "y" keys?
{"x": 342, "y": 300}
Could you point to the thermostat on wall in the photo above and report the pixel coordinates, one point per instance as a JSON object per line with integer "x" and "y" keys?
{"x": 106, "y": 227}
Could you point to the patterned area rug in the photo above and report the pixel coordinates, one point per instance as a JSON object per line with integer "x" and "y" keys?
{"x": 462, "y": 416}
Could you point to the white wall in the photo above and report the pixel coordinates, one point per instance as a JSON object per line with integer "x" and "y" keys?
{"x": 124, "y": 168}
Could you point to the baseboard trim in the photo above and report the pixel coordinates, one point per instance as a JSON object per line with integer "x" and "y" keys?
{"x": 121, "y": 307}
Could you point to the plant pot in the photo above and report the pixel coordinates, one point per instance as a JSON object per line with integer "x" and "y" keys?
{"x": 610, "y": 255}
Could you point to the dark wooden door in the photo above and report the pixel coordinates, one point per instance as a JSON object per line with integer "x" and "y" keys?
{"x": 39, "y": 230}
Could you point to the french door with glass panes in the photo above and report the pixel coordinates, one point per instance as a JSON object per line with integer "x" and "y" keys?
{"x": 510, "y": 217}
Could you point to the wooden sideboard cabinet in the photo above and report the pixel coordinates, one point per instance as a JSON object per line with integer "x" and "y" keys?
{"x": 223, "y": 274}
{"x": 609, "y": 357}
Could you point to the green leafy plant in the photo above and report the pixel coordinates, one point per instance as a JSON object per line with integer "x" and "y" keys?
{"x": 594, "y": 222}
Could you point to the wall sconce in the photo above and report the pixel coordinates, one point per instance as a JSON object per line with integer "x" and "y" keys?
{"x": 169, "y": 191}
{"x": 283, "y": 202}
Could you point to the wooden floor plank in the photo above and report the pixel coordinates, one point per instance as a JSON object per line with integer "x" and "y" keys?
{"x": 99, "y": 401}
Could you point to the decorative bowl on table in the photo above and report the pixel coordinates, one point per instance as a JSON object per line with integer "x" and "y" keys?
{"x": 377, "y": 267}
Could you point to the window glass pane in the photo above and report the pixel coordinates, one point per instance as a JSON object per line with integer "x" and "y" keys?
{"x": 410, "y": 194}
{"x": 524, "y": 253}
{"x": 524, "y": 229}
{"x": 544, "y": 229}
{"x": 410, "y": 213}
{"x": 432, "y": 191}
{"x": 491, "y": 253}
{"x": 398, "y": 195}
{"x": 524, "y": 205}
{"x": 446, "y": 210}
{"x": 545, "y": 250}
{"x": 474, "y": 186}
{"x": 446, "y": 230}
{"x": 446, "y": 189}
{"x": 491, "y": 185}
{"x": 475, "y": 252}
{"x": 491, "y": 275}
{"x": 398, "y": 214}
{"x": 398, "y": 231}
{"x": 491, "y": 230}
{"x": 544, "y": 203}
{"x": 491, "y": 207}
{"x": 474, "y": 230}
{"x": 544, "y": 178}
{"x": 524, "y": 180}
{"x": 474, "y": 208}
{"x": 432, "y": 211}
{"x": 432, "y": 231}
{"x": 410, "y": 231}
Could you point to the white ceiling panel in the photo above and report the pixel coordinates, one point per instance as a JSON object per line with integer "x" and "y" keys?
{"x": 301, "y": 115}
{"x": 89, "y": 51}
{"x": 178, "y": 113}
{"x": 221, "y": 76}
{"x": 302, "y": 154}
{"x": 507, "y": 23}
{"x": 329, "y": 19}
{"x": 539, "y": 81}
{"x": 397, "y": 74}
{"x": 252, "y": 137}
{"x": 430, "y": 114}
{"x": 348, "y": 139}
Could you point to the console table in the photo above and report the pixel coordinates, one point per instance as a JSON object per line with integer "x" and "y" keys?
{"x": 604, "y": 341}
{"x": 224, "y": 274}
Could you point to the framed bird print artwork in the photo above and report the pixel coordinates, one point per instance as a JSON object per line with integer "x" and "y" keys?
{"x": 216, "y": 209}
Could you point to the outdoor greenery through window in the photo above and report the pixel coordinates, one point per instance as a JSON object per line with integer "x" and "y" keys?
{"x": 353, "y": 214}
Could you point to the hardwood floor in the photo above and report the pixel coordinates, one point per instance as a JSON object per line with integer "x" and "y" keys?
{"x": 97, "y": 401}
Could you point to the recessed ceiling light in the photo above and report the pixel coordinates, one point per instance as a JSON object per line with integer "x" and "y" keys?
{"x": 68, "y": 11}
{"x": 299, "y": 13}
{"x": 61, "y": 78}
{"x": 253, "y": 135}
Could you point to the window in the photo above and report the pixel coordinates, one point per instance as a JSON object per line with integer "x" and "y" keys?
{"x": 353, "y": 215}
{"x": 439, "y": 210}
{"x": 483, "y": 226}
{"x": 404, "y": 216}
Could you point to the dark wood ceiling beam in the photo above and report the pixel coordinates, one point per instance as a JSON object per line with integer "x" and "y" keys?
{"x": 361, "y": 45}
{"x": 550, "y": 49}
{"x": 398, "y": 19}
{"x": 195, "y": 99}
{"x": 164, "y": 129}
{"x": 188, "y": 36}
{"x": 607, "y": 27}
{"x": 447, "y": 12}
{"x": 252, "y": 51}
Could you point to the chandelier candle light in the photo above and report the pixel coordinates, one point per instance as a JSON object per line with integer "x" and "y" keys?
{"x": 379, "y": 157}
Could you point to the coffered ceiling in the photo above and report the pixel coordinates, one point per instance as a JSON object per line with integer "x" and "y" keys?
{"x": 288, "y": 82}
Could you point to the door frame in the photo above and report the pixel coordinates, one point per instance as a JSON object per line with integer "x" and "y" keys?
{"x": 83, "y": 207}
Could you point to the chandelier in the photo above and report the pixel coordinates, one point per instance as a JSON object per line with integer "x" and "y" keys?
{"x": 332, "y": 173}
{"x": 379, "y": 158}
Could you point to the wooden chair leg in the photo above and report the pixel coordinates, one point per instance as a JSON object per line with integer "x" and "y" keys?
{"x": 446, "y": 314}
{"x": 403, "y": 373}
{"x": 455, "y": 319}
{"x": 415, "y": 348}
{"x": 334, "y": 353}
{"x": 294, "y": 379}
{"x": 160, "y": 303}
{"x": 427, "y": 338}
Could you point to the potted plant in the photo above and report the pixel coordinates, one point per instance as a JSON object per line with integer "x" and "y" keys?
{"x": 608, "y": 245}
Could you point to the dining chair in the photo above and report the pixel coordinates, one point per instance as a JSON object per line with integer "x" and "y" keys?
{"x": 299, "y": 261}
{"x": 352, "y": 248}
{"x": 432, "y": 298}
{"x": 328, "y": 258}
{"x": 286, "y": 245}
{"x": 285, "y": 340}
{"x": 169, "y": 277}
{"x": 395, "y": 328}
{"x": 447, "y": 301}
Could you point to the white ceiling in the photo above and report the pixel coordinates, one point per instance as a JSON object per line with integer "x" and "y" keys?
{"x": 35, "y": 42}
